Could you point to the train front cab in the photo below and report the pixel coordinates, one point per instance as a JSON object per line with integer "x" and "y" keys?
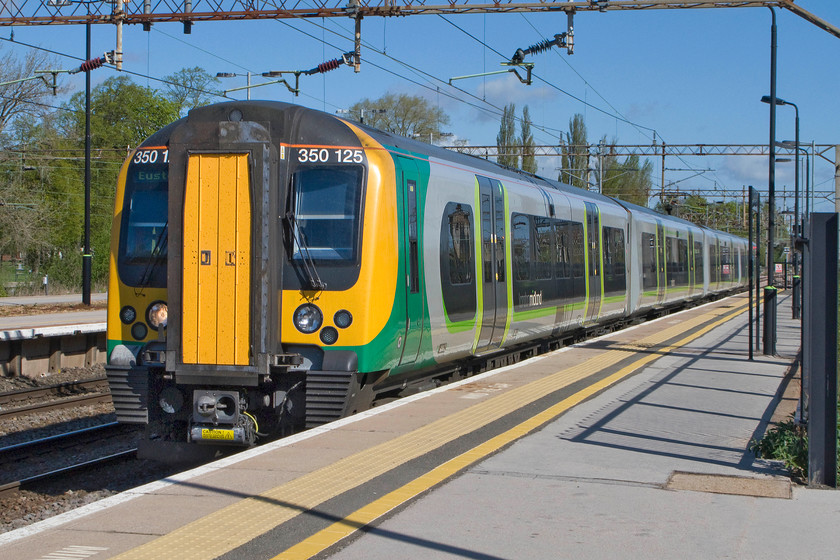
{"x": 268, "y": 293}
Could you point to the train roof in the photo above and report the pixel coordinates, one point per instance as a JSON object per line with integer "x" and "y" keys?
{"x": 288, "y": 112}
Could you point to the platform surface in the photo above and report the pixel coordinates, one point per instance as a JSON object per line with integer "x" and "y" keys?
{"x": 634, "y": 445}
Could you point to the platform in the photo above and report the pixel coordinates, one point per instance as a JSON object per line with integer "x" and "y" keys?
{"x": 44, "y": 343}
{"x": 634, "y": 445}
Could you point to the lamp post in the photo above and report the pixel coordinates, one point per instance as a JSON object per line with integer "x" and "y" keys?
{"x": 766, "y": 99}
{"x": 769, "y": 291}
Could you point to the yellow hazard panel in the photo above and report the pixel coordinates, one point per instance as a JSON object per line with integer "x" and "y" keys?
{"x": 217, "y": 260}
{"x": 217, "y": 434}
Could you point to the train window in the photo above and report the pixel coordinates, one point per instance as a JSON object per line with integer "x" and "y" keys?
{"x": 593, "y": 231}
{"x": 413, "y": 265}
{"x": 576, "y": 235}
{"x": 147, "y": 217}
{"x": 487, "y": 236}
{"x": 615, "y": 280}
{"x": 327, "y": 210}
{"x": 521, "y": 247}
{"x": 143, "y": 232}
{"x": 676, "y": 265}
{"x": 649, "y": 276}
{"x": 499, "y": 221}
{"x": 562, "y": 252}
{"x": 714, "y": 263}
{"x": 725, "y": 263}
{"x": 543, "y": 242}
{"x": 457, "y": 239}
{"x": 458, "y": 246}
{"x": 698, "y": 262}
{"x": 682, "y": 261}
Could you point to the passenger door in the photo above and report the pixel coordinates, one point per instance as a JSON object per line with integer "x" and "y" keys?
{"x": 594, "y": 274}
{"x": 662, "y": 279}
{"x": 414, "y": 305}
{"x": 217, "y": 260}
{"x": 493, "y": 284}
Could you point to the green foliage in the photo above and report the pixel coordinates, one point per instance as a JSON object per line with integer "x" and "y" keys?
{"x": 529, "y": 160}
{"x": 574, "y": 161}
{"x": 406, "y": 115}
{"x": 42, "y": 178}
{"x": 628, "y": 180}
{"x": 189, "y": 88}
{"x": 123, "y": 113}
{"x": 725, "y": 216}
{"x": 786, "y": 442}
{"x": 506, "y": 141}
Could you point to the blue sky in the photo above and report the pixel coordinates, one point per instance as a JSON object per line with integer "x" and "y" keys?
{"x": 693, "y": 76}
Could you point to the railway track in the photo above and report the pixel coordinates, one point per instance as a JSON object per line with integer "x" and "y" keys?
{"x": 53, "y": 397}
{"x": 58, "y": 456}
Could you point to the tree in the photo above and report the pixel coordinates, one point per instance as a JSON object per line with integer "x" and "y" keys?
{"x": 123, "y": 114}
{"x": 722, "y": 215}
{"x": 23, "y": 98}
{"x": 506, "y": 141}
{"x": 406, "y": 115}
{"x": 189, "y": 88}
{"x": 529, "y": 159}
{"x": 628, "y": 180}
{"x": 574, "y": 160}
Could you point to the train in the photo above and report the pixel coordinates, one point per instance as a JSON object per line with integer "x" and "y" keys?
{"x": 274, "y": 268}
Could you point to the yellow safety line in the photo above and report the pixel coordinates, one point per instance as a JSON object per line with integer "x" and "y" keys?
{"x": 330, "y": 536}
{"x": 234, "y": 525}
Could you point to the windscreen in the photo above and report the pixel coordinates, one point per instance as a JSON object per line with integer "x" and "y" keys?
{"x": 327, "y": 211}
{"x": 143, "y": 231}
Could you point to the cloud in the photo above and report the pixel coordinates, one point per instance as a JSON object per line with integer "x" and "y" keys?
{"x": 753, "y": 170}
{"x": 502, "y": 90}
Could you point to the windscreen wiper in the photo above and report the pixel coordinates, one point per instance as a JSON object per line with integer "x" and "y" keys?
{"x": 156, "y": 256}
{"x": 299, "y": 239}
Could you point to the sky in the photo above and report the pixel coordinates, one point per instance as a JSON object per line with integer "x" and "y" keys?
{"x": 691, "y": 76}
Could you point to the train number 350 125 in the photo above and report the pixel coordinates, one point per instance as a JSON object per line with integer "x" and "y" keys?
{"x": 324, "y": 155}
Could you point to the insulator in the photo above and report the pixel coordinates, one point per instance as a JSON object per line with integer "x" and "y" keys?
{"x": 91, "y": 64}
{"x": 541, "y": 46}
{"x": 329, "y": 65}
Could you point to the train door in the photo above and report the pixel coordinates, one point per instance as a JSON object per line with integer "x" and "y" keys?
{"x": 662, "y": 277}
{"x": 690, "y": 262}
{"x": 493, "y": 264}
{"x": 217, "y": 260}
{"x": 414, "y": 311}
{"x": 594, "y": 263}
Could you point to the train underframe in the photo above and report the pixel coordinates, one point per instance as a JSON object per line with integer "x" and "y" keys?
{"x": 197, "y": 422}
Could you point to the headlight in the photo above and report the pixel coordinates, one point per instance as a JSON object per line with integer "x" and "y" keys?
{"x": 308, "y": 318}
{"x": 157, "y": 315}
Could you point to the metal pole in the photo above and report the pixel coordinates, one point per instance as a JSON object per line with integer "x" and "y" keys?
{"x": 770, "y": 325}
{"x": 757, "y": 268}
{"x": 796, "y": 232}
{"x": 86, "y": 256}
{"x": 821, "y": 349}
{"x": 771, "y": 199}
{"x": 750, "y": 272}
